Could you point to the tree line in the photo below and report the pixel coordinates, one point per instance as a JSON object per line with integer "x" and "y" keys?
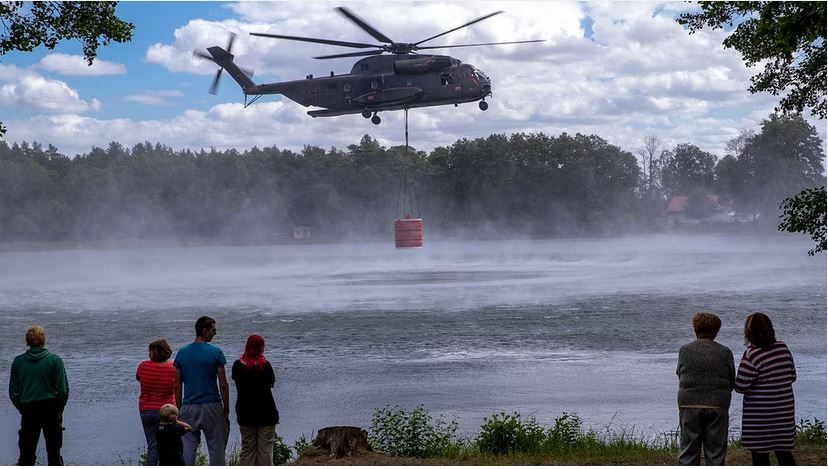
{"x": 531, "y": 185}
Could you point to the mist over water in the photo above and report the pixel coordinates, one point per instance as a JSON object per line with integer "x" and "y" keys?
{"x": 590, "y": 326}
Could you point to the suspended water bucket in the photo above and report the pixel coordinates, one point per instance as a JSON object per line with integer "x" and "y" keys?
{"x": 408, "y": 232}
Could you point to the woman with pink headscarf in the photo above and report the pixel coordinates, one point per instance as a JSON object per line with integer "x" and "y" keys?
{"x": 255, "y": 408}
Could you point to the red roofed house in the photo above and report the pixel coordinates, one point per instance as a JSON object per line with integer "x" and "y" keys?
{"x": 676, "y": 210}
{"x": 677, "y": 205}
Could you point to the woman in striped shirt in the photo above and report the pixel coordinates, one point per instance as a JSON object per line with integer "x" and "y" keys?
{"x": 766, "y": 374}
{"x": 156, "y": 377}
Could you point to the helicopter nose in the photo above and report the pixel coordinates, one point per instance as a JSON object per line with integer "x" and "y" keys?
{"x": 487, "y": 88}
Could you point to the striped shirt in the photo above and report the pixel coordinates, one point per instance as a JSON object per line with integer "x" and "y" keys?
{"x": 157, "y": 382}
{"x": 765, "y": 377}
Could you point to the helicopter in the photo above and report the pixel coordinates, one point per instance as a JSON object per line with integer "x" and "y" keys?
{"x": 391, "y": 76}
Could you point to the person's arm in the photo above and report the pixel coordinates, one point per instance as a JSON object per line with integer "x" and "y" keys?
{"x": 746, "y": 375}
{"x": 178, "y": 388}
{"x": 62, "y": 383}
{"x": 678, "y": 364}
{"x": 224, "y": 389}
{"x": 186, "y": 426}
{"x": 732, "y": 372}
{"x": 14, "y": 387}
{"x": 793, "y": 368}
{"x": 271, "y": 377}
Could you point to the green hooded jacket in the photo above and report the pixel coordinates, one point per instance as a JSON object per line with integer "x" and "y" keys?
{"x": 38, "y": 375}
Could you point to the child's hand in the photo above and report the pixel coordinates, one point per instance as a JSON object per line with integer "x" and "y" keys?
{"x": 187, "y": 428}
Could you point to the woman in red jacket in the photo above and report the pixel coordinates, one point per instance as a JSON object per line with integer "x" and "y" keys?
{"x": 157, "y": 379}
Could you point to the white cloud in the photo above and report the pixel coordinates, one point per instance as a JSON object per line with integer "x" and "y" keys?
{"x": 639, "y": 72}
{"x": 156, "y": 98}
{"x": 10, "y": 72}
{"x": 32, "y": 91}
{"x": 77, "y": 65}
{"x": 553, "y": 21}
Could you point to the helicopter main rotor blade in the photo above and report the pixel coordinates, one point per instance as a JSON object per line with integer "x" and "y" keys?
{"x": 357, "y": 45}
{"x": 203, "y": 55}
{"x": 365, "y": 26}
{"x": 230, "y": 42}
{"x": 214, "y": 86}
{"x": 481, "y": 44}
{"x": 352, "y": 54}
{"x": 460, "y": 27}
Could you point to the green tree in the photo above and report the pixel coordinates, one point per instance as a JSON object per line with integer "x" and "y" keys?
{"x": 789, "y": 36}
{"x": 687, "y": 168}
{"x": 805, "y": 213}
{"x": 24, "y": 26}
{"x": 784, "y": 158}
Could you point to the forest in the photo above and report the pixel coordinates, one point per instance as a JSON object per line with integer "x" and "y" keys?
{"x": 521, "y": 185}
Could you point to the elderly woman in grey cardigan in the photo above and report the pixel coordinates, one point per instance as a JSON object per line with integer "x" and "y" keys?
{"x": 706, "y": 376}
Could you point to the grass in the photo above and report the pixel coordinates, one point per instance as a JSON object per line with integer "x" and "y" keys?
{"x": 403, "y": 437}
{"x": 510, "y": 439}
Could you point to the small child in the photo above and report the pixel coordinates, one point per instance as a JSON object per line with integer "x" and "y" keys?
{"x": 168, "y": 437}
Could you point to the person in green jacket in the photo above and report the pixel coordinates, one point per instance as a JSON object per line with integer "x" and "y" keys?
{"x": 39, "y": 389}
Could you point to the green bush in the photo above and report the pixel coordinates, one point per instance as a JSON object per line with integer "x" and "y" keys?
{"x": 566, "y": 432}
{"x": 300, "y": 445}
{"x": 810, "y": 432}
{"x": 282, "y": 453}
{"x": 508, "y": 433}
{"x": 414, "y": 433}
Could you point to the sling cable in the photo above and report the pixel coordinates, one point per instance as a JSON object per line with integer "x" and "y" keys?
{"x": 408, "y": 230}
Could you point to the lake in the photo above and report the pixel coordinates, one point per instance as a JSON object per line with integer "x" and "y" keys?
{"x": 467, "y": 329}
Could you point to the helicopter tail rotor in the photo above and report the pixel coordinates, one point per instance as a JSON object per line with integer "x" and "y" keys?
{"x": 224, "y": 59}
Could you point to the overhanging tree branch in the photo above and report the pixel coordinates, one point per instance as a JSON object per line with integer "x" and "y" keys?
{"x": 29, "y": 25}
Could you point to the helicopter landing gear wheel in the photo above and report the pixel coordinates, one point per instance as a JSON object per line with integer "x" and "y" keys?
{"x": 483, "y": 105}
{"x": 366, "y": 114}
{"x": 376, "y": 119}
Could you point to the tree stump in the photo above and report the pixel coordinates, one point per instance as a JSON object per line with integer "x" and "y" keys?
{"x": 342, "y": 441}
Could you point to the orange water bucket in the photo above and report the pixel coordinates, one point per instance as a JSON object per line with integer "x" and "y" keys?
{"x": 408, "y": 233}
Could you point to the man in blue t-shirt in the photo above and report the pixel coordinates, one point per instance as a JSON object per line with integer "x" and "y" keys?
{"x": 205, "y": 402}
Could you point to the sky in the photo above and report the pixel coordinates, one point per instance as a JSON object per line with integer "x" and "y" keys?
{"x": 620, "y": 70}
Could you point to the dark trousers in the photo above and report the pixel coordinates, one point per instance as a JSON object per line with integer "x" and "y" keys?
{"x": 150, "y": 420}
{"x": 784, "y": 458}
{"x": 36, "y": 416}
{"x": 703, "y": 429}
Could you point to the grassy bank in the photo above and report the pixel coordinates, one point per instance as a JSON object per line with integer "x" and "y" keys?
{"x": 402, "y": 437}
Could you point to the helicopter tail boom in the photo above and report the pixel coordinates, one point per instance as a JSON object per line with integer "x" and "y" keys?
{"x": 224, "y": 60}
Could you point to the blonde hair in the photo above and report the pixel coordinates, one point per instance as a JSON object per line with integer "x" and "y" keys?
{"x": 36, "y": 336}
{"x": 168, "y": 413}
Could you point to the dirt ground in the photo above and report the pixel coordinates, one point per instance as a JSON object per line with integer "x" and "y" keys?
{"x": 809, "y": 456}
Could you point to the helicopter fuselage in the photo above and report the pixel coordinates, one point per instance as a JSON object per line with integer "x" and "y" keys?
{"x": 402, "y": 79}
{"x": 385, "y": 83}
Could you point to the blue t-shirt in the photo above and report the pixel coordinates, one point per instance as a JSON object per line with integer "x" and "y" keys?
{"x": 198, "y": 363}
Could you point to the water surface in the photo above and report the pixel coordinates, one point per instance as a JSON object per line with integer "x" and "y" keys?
{"x": 467, "y": 329}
